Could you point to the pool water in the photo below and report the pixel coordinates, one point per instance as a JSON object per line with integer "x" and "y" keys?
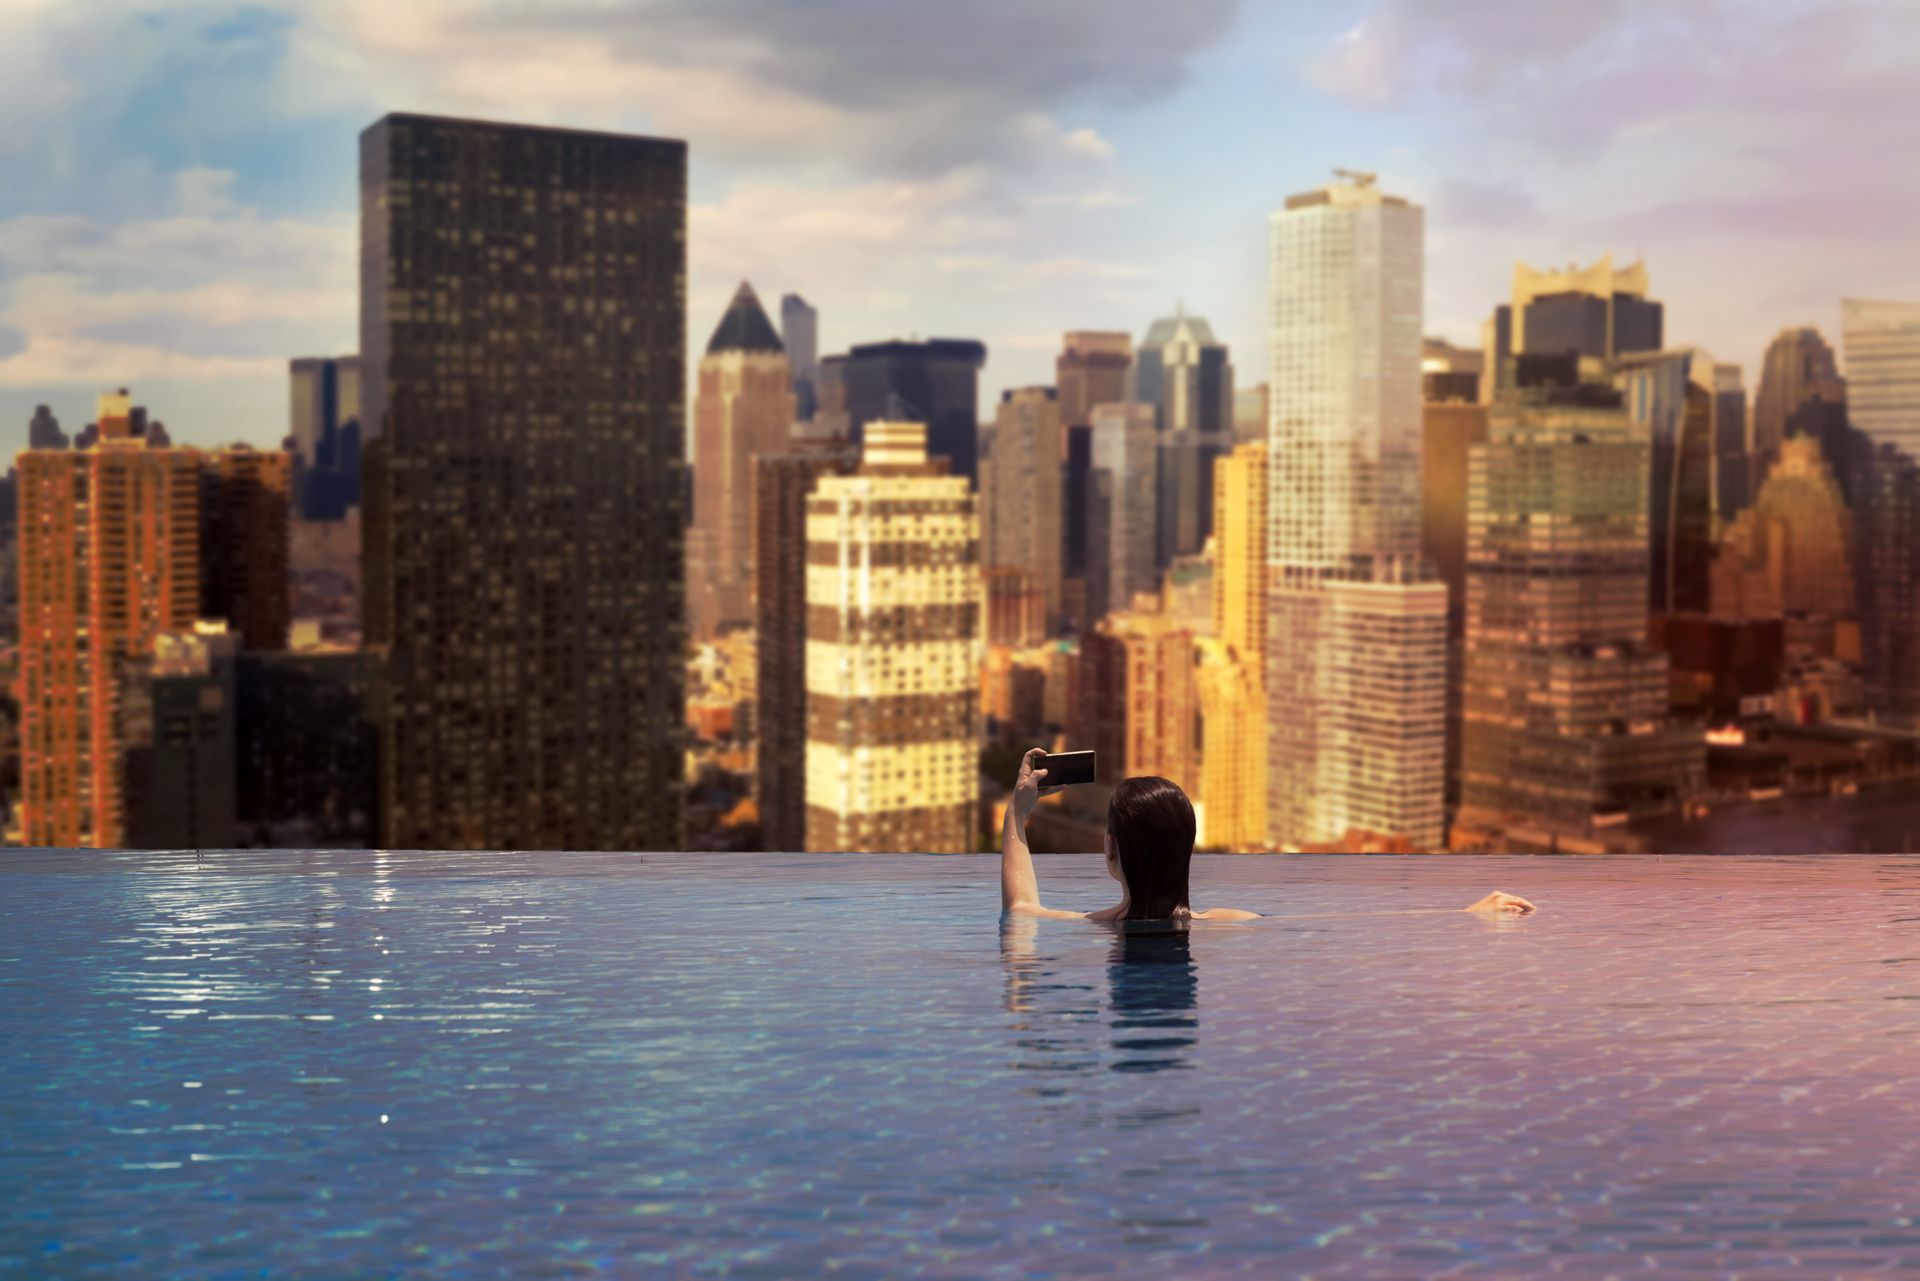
{"x": 337, "y": 1065}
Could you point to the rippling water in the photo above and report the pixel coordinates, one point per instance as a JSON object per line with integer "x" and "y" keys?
{"x": 338, "y": 1065}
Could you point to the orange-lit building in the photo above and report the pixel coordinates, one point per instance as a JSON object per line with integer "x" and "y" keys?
{"x": 1138, "y": 707}
{"x": 1231, "y": 674}
{"x": 120, "y": 543}
{"x": 109, "y": 560}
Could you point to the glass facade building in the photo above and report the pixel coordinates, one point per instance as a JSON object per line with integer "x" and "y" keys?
{"x": 523, "y": 337}
{"x": 1565, "y": 727}
{"x": 936, "y": 382}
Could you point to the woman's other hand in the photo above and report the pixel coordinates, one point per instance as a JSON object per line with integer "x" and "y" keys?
{"x": 1502, "y": 902}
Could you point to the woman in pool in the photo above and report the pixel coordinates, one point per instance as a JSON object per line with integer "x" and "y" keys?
{"x": 1150, "y": 831}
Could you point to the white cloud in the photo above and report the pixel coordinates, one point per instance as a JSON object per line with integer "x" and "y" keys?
{"x": 214, "y": 291}
{"x": 202, "y": 192}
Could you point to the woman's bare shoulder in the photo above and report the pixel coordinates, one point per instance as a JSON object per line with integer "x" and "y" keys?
{"x": 1225, "y": 914}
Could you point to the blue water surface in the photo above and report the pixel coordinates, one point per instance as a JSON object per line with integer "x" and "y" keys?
{"x": 521, "y": 1065}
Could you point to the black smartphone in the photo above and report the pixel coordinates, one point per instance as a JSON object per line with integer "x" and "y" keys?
{"x": 1065, "y": 768}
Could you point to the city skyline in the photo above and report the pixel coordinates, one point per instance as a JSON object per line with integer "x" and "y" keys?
{"x": 209, "y": 235}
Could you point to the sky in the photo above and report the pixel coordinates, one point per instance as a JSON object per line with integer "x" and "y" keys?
{"x": 178, "y": 178}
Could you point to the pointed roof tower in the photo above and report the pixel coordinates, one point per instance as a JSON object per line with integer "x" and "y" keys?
{"x": 744, "y": 327}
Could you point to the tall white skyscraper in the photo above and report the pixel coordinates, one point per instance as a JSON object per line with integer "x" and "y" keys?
{"x": 1357, "y": 620}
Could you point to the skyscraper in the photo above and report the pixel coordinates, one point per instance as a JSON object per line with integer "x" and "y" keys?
{"x": 244, "y": 502}
{"x": 123, "y": 542}
{"x": 893, "y": 652}
{"x": 1356, "y": 660}
{"x": 1021, "y": 491}
{"x": 1121, "y": 487}
{"x": 781, "y": 485}
{"x": 523, "y": 333}
{"x": 1231, "y": 676}
{"x": 1091, "y": 369}
{"x": 1182, "y": 371}
{"x": 1671, "y": 398}
{"x": 325, "y": 435}
{"x": 1566, "y": 730}
{"x": 1734, "y": 474}
{"x": 1600, "y": 312}
{"x": 109, "y": 561}
{"x": 1882, "y": 347}
{"x": 743, "y": 409}
{"x": 800, "y": 334}
{"x": 1138, "y": 709}
{"x": 1792, "y": 551}
{"x": 1797, "y": 368}
{"x": 936, "y": 382}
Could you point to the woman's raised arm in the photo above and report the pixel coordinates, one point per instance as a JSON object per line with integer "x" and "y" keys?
{"x": 1019, "y": 889}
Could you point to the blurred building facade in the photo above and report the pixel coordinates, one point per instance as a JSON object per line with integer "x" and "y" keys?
{"x": 325, "y": 435}
{"x": 1122, "y": 478}
{"x": 525, "y": 483}
{"x": 1881, "y": 475}
{"x": 124, "y": 541}
{"x": 743, "y": 408}
{"x": 1357, "y": 623}
{"x": 936, "y": 382}
{"x": 1020, "y": 493}
{"x": 1231, "y": 674}
{"x": 800, "y": 335}
{"x": 1183, "y": 372}
{"x": 782, "y": 484}
{"x": 893, "y": 652}
{"x": 1565, "y": 724}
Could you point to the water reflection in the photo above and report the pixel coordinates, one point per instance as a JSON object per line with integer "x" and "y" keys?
{"x": 1154, "y": 990}
{"x": 1151, "y": 1015}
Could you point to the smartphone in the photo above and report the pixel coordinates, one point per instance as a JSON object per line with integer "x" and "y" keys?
{"x": 1065, "y": 768}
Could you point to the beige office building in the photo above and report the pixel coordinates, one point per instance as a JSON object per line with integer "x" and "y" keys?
{"x": 893, "y": 652}
{"x": 1020, "y": 493}
{"x": 744, "y": 409}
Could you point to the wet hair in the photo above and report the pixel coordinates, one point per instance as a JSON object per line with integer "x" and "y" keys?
{"x": 1151, "y": 822}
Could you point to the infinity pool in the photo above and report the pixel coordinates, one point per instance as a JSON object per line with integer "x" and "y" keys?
{"x": 342, "y": 1065}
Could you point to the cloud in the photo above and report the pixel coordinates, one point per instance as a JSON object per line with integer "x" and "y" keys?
{"x": 866, "y": 85}
{"x": 1757, "y": 156}
{"x": 203, "y": 191}
{"x": 891, "y": 257}
{"x": 215, "y": 290}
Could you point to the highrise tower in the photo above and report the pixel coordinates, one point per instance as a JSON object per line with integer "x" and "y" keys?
{"x": 1357, "y": 644}
{"x": 523, "y": 339}
{"x": 743, "y": 409}
{"x": 893, "y": 652}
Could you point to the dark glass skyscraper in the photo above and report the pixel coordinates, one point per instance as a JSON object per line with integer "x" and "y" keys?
{"x": 523, "y": 338}
{"x": 936, "y": 382}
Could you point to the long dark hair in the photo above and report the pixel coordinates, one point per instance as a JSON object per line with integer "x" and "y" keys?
{"x": 1151, "y": 822}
